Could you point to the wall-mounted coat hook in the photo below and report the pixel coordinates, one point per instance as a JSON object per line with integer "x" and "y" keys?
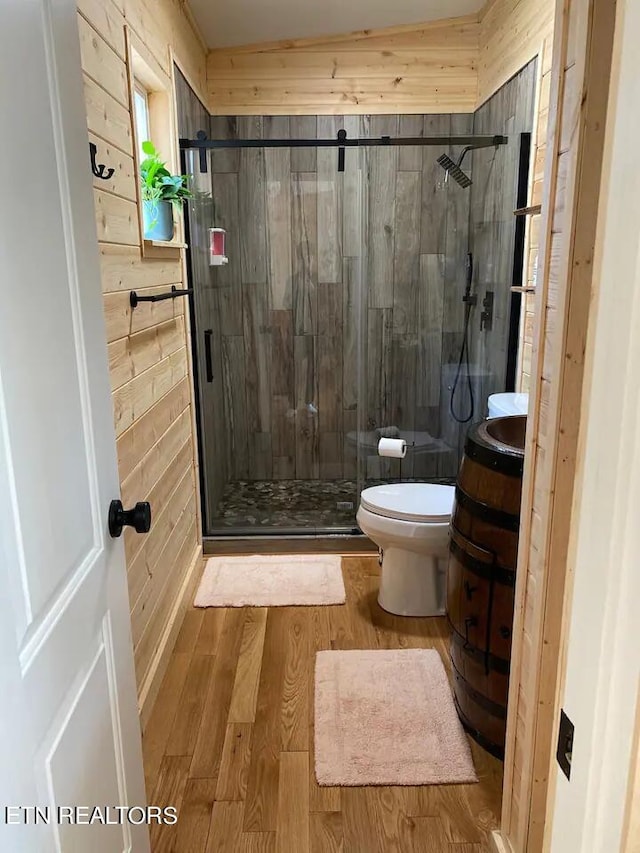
{"x": 100, "y": 171}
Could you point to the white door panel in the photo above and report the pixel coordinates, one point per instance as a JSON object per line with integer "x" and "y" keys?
{"x": 70, "y": 731}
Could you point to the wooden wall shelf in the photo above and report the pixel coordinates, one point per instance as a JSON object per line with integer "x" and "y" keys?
{"x": 162, "y": 249}
{"x": 532, "y": 210}
{"x": 165, "y": 244}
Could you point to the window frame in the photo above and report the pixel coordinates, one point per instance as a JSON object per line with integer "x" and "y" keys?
{"x": 146, "y": 75}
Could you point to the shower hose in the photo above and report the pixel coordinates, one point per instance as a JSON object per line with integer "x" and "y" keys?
{"x": 463, "y": 360}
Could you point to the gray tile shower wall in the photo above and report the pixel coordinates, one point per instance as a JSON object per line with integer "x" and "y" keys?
{"x": 313, "y": 254}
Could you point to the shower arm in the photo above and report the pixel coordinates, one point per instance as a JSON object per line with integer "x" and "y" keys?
{"x": 464, "y": 153}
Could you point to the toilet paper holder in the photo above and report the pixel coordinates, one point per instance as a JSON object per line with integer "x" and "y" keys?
{"x": 393, "y": 448}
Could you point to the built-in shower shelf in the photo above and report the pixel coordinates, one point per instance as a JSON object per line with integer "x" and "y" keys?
{"x": 518, "y": 288}
{"x": 532, "y": 210}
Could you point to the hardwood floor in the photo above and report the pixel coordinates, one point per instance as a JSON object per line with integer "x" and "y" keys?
{"x": 230, "y": 739}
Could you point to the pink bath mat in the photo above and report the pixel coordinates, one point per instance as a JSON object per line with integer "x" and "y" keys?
{"x": 387, "y": 718}
{"x": 271, "y": 581}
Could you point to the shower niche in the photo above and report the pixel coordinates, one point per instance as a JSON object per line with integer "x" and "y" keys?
{"x": 340, "y": 316}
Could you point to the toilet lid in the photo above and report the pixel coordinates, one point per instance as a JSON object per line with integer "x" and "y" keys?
{"x": 410, "y": 501}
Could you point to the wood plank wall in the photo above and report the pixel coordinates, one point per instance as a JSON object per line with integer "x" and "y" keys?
{"x": 431, "y": 68}
{"x": 148, "y": 348}
{"x": 578, "y": 104}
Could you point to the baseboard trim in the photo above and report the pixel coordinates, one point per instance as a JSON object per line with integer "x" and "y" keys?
{"x": 232, "y": 545}
{"x": 499, "y": 843}
{"x": 153, "y": 679}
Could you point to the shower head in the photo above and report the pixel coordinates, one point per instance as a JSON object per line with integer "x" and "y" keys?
{"x": 454, "y": 169}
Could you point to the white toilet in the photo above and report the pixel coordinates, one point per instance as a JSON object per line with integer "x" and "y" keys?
{"x": 409, "y": 522}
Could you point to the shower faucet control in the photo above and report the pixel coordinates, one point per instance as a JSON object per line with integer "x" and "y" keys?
{"x": 486, "y": 317}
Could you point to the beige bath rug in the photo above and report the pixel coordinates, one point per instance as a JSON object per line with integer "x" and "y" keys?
{"x": 271, "y": 581}
{"x": 387, "y": 718}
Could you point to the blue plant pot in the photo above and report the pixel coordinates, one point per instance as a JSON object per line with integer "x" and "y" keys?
{"x": 157, "y": 217}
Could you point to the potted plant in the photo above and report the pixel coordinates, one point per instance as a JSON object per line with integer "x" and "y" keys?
{"x": 160, "y": 191}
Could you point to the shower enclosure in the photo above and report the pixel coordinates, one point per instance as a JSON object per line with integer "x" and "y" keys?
{"x": 340, "y": 314}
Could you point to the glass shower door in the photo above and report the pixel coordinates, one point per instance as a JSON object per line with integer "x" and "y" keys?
{"x": 277, "y": 336}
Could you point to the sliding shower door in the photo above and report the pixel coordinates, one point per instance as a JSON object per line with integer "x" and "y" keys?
{"x": 277, "y": 330}
{"x": 343, "y": 307}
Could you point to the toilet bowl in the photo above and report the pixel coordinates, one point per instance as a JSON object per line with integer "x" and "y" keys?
{"x": 409, "y": 522}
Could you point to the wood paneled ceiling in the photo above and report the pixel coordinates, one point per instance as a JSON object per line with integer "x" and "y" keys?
{"x": 252, "y": 21}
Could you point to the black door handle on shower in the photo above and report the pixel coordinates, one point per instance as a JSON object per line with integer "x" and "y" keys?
{"x": 208, "y": 358}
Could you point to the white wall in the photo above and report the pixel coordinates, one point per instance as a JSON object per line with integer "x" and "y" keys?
{"x": 603, "y": 658}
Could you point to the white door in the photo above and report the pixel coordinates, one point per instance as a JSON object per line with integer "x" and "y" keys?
{"x": 69, "y": 730}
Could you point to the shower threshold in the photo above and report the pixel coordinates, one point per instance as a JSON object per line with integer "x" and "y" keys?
{"x": 281, "y": 543}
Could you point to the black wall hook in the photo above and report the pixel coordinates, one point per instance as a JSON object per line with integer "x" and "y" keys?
{"x": 100, "y": 171}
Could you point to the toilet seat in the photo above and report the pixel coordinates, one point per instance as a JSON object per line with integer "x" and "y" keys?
{"x": 421, "y": 502}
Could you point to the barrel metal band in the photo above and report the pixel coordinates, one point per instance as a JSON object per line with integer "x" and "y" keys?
{"x": 486, "y": 659}
{"x": 510, "y": 464}
{"x": 497, "y": 517}
{"x": 488, "y": 571}
{"x": 492, "y": 748}
{"x": 488, "y": 705}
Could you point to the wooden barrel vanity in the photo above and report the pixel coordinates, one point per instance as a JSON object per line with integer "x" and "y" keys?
{"x": 481, "y": 575}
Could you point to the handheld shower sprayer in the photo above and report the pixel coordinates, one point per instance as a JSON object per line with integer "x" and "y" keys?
{"x": 469, "y": 272}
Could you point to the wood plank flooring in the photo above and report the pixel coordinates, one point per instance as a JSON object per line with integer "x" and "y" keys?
{"x": 230, "y": 739}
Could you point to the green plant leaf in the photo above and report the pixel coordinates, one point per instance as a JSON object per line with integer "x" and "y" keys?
{"x": 158, "y": 184}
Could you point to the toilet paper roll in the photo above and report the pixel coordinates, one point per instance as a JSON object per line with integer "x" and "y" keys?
{"x": 394, "y": 447}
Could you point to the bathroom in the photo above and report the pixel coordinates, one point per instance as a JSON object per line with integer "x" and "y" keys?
{"x": 310, "y": 506}
{"x": 348, "y": 296}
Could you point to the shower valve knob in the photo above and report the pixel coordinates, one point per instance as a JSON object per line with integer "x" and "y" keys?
{"x": 486, "y": 317}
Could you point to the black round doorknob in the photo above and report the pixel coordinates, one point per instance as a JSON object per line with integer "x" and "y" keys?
{"x": 139, "y": 518}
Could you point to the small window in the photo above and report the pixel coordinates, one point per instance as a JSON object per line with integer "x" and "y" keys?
{"x": 153, "y": 120}
{"x": 141, "y": 111}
